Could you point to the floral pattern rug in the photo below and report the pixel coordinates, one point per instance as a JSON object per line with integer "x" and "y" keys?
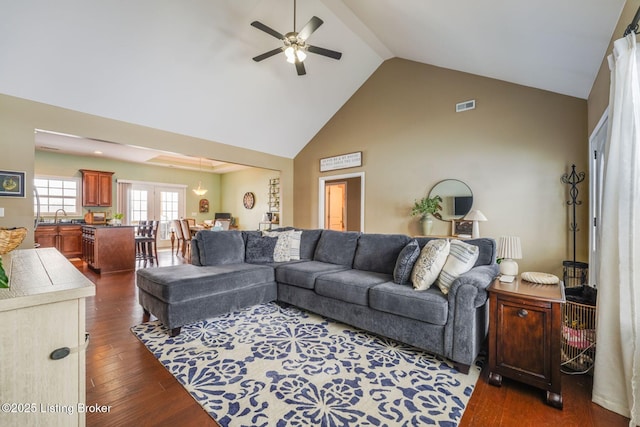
{"x": 277, "y": 365}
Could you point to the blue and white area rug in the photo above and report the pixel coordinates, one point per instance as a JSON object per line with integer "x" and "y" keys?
{"x": 272, "y": 365}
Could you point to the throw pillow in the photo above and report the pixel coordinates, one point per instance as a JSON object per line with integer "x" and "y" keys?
{"x": 281, "y": 252}
{"x": 295, "y": 238}
{"x": 462, "y": 257}
{"x": 260, "y": 248}
{"x": 404, "y": 264}
{"x": 429, "y": 264}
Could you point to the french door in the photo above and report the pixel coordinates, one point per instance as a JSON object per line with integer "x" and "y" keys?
{"x": 150, "y": 201}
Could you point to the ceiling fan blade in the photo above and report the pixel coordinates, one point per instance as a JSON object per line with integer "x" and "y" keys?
{"x": 310, "y": 27}
{"x": 268, "y": 54}
{"x": 324, "y": 52}
{"x": 300, "y": 68}
{"x": 259, "y": 25}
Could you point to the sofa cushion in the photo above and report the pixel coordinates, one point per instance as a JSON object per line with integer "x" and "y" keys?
{"x": 337, "y": 247}
{"x": 462, "y": 257}
{"x": 429, "y": 265}
{"x": 349, "y": 285}
{"x": 259, "y": 248}
{"x": 379, "y": 252}
{"x": 308, "y": 242}
{"x": 404, "y": 264}
{"x": 220, "y": 247}
{"x": 430, "y": 306}
{"x": 304, "y": 273}
{"x": 186, "y": 282}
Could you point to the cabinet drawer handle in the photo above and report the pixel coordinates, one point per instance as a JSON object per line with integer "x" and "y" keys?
{"x": 522, "y": 313}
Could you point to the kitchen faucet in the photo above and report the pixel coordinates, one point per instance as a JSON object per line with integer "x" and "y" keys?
{"x": 55, "y": 218}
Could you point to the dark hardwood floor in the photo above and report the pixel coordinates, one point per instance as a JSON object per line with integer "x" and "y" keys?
{"x": 123, "y": 374}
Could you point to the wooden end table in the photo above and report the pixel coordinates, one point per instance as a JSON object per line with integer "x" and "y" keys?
{"x": 525, "y": 324}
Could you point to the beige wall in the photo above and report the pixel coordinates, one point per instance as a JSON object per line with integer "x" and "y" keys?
{"x": 511, "y": 150}
{"x": 19, "y": 118}
{"x": 235, "y": 184}
{"x": 599, "y": 96}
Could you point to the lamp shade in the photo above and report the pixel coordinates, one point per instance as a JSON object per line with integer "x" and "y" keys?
{"x": 509, "y": 247}
{"x": 475, "y": 215}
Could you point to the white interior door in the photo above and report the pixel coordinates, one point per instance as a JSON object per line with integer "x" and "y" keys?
{"x": 165, "y": 203}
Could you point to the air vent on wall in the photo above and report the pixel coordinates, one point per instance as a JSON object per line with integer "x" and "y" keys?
{"x": 466, "y": 105}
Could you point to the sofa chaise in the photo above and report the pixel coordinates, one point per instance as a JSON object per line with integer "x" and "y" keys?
{"x": 346, "y": 276}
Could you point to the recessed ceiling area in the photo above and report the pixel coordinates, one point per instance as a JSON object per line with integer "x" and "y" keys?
{"x": 79, "y": 146}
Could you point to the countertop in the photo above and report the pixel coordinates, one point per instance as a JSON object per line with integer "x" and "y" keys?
{"x": 41, "y": 276}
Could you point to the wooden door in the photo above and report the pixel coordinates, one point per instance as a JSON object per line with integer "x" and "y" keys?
{"x": 46, "y": 236}
{"x": 70, "y": 241}
{"x": 336, "y": 206}
{"x": 90, "y": 188}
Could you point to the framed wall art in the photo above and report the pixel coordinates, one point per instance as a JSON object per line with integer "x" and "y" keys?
{"x": 462, "y": 228}
{"x": 11, "y": 184}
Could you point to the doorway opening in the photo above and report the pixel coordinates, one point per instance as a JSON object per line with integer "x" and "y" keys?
{"x": 341, "y": 202}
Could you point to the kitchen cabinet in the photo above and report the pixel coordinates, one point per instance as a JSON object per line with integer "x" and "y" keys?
{"x": 96, "y": 188}
{"x": 108, "y": 249}
{"x": 65, "y": 238}
{"x": 42, "y": 311}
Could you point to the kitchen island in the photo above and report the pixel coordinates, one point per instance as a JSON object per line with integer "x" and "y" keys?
{"x": 109, "y": 249}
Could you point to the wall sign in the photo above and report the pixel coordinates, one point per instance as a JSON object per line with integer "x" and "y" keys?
{"x": 343, "y": 161}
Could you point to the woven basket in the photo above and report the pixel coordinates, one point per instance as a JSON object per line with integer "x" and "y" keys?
{"x": 10, "y": 238}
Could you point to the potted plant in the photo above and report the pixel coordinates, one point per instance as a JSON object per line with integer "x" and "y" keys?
{"x": 117, "y": 218}
{"x": 426, "y": 208}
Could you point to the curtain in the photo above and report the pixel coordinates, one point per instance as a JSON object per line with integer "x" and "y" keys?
{"x": 616, "y": 381}
{"x": 122, "y": 193}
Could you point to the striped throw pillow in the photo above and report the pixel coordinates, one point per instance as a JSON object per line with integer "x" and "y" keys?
{"x": 462, "y": 257}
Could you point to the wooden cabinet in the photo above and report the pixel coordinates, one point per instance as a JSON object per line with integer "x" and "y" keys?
{"x": 525, "y": 323}
{"x": 96, "y": 188}
{"x": 43, "y": 310}
{"x": 109, "y": 249}
{"x": 65, "y": 238}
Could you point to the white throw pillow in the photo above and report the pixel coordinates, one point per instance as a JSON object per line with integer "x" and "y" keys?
{"x": 431, "y": 260}
{"x": 462, "y": 257}
{"x": 294, "y": 244}
{"x": 281, "y": 252}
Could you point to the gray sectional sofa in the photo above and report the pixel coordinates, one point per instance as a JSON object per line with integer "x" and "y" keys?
{"x": 346, "y": 276}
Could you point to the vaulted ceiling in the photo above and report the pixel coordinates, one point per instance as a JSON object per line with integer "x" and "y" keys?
{"x": 185, "y": 66}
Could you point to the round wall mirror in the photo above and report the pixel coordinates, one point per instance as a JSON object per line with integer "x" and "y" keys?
{"x": 457, "y": 199}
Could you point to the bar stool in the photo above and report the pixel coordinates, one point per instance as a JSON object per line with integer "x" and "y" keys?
{"x": 146, "y": 242}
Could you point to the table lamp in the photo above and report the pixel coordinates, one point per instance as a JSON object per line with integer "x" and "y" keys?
{"x": 475, "y": 216}
{"x": 508, "y": 250}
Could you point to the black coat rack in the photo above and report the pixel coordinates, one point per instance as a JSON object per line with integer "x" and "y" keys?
{"x": 633, "y": 27}
{"x": 573, "y": 179}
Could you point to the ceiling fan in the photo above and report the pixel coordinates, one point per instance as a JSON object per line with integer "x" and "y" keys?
{"x": 295, "y": 43}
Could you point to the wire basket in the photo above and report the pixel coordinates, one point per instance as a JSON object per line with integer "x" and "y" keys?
{"x": 11, "y": 238}
{"x": 575, "y": 273}
{"x": 578, "y": 337}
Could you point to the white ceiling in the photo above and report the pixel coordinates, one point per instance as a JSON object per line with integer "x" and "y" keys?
{"x": 185, "y": 66}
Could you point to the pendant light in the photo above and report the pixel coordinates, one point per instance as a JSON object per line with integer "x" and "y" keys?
{"x": 200, "y": 191}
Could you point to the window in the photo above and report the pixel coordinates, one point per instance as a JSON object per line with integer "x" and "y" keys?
{"x": 57, "y": 193}
{"x": 139, "y": 205}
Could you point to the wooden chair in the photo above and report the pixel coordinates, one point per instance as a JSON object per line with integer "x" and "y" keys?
{"x": 176, "y": 226}
{"x": 186, "y": 236}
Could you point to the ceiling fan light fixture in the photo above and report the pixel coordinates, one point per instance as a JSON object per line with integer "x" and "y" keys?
{"x": 294, "y": 53}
